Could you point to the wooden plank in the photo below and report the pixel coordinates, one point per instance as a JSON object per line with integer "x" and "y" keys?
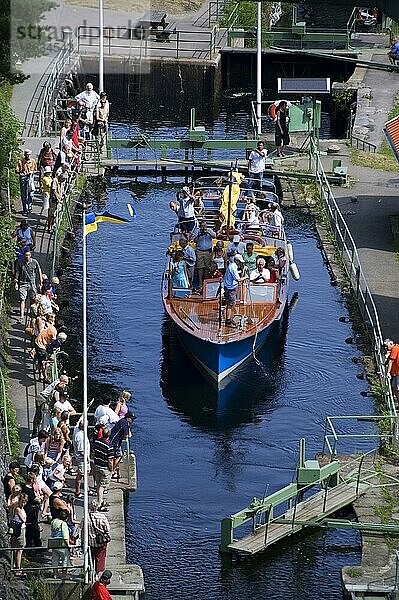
{"x": 310, "y": 509}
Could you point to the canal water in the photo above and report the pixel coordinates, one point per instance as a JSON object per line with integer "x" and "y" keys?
{"x": 201, "y": 456}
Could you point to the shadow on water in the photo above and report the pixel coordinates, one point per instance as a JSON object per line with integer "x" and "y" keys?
{"x": 252, "y": 390}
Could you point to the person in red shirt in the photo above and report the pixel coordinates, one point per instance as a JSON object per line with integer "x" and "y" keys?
{"x": 99, "y": 590}
{"x": 393, "y": 365}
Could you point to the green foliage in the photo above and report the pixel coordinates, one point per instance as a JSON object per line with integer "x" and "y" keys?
{"x": 11, "y": 128}
{"x": 12, "y": 423}
{"x": 354, "y": 572}
{"x": 40, "y": 588}
{"x": 246, "y": 14}
{"x": 20, "y": 38}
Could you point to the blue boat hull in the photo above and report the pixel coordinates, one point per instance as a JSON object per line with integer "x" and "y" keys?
{"x": 219, "y": 360}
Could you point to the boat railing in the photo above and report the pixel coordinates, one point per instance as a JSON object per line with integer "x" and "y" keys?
{"x": 353, "y": 268}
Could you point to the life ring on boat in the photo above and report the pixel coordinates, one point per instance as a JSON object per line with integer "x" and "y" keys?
{"x": 255, "y": 238}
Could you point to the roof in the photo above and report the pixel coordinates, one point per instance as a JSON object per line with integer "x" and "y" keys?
{"x": 391, "y": 131}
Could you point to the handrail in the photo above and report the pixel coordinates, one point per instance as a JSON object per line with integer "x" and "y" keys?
{"x": 359, "y": 141}
{"x": 352, "y": 266}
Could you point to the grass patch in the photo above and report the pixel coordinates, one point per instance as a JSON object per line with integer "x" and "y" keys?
{"x": 354, "y": 572}
{"x": 173, "y": 7}
{"x": 383, "y": 161}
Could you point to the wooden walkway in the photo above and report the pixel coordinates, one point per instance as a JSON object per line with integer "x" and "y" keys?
{"x": 311, "y": 509}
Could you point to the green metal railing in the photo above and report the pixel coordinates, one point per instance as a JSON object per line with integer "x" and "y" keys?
{"x": 63, "y": 219}
{"x": 332, "y": 436}
{"x": 352, "y": 266}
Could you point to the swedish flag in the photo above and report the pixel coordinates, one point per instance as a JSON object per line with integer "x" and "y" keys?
{"x": 92, "y": 218}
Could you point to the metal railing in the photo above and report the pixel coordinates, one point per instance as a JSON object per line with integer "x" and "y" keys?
{"x": 362, "y": 144}
{"x": 140, "y": 43}
{"x": 352, "y": 266}
{"x": 332, "y": 436}
{"x": 39, "y": 109}
{"x": 216, "y": 10}
{"x": 63, "y": 215}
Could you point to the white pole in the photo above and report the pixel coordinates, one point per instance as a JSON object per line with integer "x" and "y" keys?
{"x": 259, "y": 70}
{"x": 86, "y": 453}
{"x": 101, "y": 48}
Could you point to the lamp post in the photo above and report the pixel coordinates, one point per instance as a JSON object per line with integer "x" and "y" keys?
{"x": 86, "y": 453}
{"x": 259, "y": 70}
{"x": 101, "y": 47}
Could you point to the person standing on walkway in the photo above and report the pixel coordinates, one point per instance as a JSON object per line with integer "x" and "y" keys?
{"x": 393, "y": 365}
{"x": 393, "y": 54}
{"x": 103, "y": 459}
{"x": 282, "y": 137}
{"x": 17, "y": 528}
{"x": 26, "y": 168}
{"x": 61, "y": 555}
{"x": 99, "y": 536}
{"x": 28, "y": 280}
{"x": 99, "y": 590}
{"x": 257, "y": 165}
{"x": 119, "y": 433}
{"x": 25, "y": 232}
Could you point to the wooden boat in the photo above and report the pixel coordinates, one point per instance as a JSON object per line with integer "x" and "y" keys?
{"x": 199, "y": 315}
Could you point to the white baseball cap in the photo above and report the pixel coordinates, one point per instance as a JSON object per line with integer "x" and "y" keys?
{"x": 238, "y": 257}
{"x": 236, "y": 238}
{"x": 47, "y": 169}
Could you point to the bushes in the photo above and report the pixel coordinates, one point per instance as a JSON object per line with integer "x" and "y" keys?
{"x": 11, "y": 129}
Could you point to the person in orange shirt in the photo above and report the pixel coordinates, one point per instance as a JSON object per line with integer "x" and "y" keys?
{"x": 393, "y": 365}
{"x": 42, "y": 342}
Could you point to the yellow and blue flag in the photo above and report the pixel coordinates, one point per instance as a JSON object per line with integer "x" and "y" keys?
{"x": 92, "y": 219}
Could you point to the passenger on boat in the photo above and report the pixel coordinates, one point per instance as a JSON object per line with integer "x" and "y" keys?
{"x": 179, "y": 277}
{"x": 277, "y": 219}
{"x": 199, "y": 206}
{"x": 271, "y": 267}
{"x": 256, "y": 165}
{"x": 214, "y": 272}
{"x": 203, "y": 250}
{"x": 251, "y": 213}
{"x": 189, "y": 258}
{"x": 230, "y": 283}
{"x": 185, "y": 210}
{"x": 279, "y": 259}
{"x": 250, "y": 257}
{"x": 261, "y": 274}
{"x": 236, "y": 245}
{"x": 219, "y": 256}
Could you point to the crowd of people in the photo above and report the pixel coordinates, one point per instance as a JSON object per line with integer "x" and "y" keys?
{"x": 55, "y": 169}
{"x": 40, "y": 491}
{"x": 200, "y": 256}
{"x": 45, "y": 488}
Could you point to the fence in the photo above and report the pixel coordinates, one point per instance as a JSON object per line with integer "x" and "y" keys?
{"x": 40, "y": 105}
{"x": 140, "y": 43}
{"x": 353, "y": 269}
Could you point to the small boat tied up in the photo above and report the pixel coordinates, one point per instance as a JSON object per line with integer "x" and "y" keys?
{"x": 240, "y": 226}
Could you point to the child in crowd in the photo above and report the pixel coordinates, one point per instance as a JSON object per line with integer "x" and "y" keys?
{"x": 46, "y": 187}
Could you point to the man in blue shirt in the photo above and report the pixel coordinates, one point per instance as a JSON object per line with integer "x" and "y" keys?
{"x": 231, "y": 280}
{"x": 393, "y": 54}
{"x": 120, "y": 432}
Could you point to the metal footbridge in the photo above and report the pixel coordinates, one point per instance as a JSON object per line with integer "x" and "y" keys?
{"x": 319, "y": 490}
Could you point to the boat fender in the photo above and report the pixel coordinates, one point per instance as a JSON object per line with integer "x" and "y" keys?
{"x": 290, "y": 252}
{"x": 294, "y": 271}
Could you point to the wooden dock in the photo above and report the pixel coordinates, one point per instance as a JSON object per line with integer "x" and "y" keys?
{"x": 313, "y": 509}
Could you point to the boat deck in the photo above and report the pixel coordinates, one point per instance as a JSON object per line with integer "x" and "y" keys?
{"x": 202, "y": 317}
